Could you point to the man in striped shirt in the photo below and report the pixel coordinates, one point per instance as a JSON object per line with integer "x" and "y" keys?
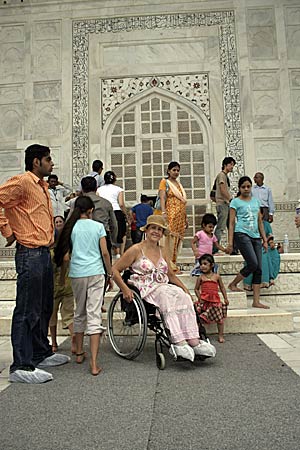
{"x": 28, "y": 220}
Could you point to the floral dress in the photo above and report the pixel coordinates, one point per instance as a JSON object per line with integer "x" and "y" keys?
{"x": 174, "y": 304}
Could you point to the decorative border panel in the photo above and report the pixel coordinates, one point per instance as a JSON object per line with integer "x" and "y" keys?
{"x": 225, "y": 20}
{"x": 193, "y": 88}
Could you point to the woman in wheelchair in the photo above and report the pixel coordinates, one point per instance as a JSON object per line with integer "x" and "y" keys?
{"x": 152, "y": 275}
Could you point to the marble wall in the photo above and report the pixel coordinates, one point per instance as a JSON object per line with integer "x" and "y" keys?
{"x": 68, "y": 69}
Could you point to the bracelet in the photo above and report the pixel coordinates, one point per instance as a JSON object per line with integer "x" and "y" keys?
{"x": 110, "y": 275}
{"x": 163, "y": 212}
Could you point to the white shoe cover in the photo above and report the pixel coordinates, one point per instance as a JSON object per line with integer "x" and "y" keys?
{"x": 57, "y": 359}
{"x": 185, "y": 351}
{"x": 205, "y": 349}
{"x": 32, "y": 377}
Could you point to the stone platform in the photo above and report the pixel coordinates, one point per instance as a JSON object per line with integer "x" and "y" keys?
{"x": 283, "y": 298}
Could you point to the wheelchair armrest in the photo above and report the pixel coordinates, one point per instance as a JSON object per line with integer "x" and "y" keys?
{"x": 126, "y": 275}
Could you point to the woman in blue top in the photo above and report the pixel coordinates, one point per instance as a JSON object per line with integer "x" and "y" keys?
{"x": 83, "y": 242}
{"x": 246, "y": 227}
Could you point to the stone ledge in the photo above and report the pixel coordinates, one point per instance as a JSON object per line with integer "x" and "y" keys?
{"x": 238, "y": 321}
{"x": 228, "y": 265}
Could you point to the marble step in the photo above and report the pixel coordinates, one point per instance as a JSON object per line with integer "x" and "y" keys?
{"x": 244, "y": 320}
{"x": 286, "y": 291}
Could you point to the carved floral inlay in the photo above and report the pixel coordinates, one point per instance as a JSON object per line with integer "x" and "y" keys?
{"x": 193, "y": 88}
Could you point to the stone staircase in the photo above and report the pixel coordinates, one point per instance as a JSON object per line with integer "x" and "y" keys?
{"x": 283, "y": 298}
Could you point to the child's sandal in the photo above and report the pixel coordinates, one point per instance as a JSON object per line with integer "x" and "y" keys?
{"x": 80, "y": 357}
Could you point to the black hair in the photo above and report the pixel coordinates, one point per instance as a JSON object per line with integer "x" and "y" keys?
{"x": 171, "y": 165}
{"x": 144, "y": 198}
{"x": 56, "y": 233}
{"x": 97, "y": 165}
{"x": 207, "y": 257}
{"x": 82, "y": 205}
{"x": 52, "y": 177}
{"x": 260, "y": 173}
{"x": 35, "y": 151}
{"x": 88, "y": 184}
{"x": 228, "y": 160}
{"x": 60, "y": 217}
{"x": 207, "y": 219}
{"x": 109, "y": 177}
{"x": 242, "y": 181}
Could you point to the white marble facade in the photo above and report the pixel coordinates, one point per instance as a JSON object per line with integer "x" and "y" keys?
{"x": 125, "y": 81}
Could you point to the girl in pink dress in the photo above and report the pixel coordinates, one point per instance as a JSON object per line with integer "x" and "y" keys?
{"x": 204, "y": 241}
{"x": 151, "y": 273}
{"x": 209, "y": 305}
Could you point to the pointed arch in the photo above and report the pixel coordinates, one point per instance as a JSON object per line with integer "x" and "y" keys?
{"x": 147, "y": 132}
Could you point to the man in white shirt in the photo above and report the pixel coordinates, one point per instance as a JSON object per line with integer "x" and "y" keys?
{"x": 264, "y": 194}
{"x": 97, "y": 168}
{"x": 58, "y": 191}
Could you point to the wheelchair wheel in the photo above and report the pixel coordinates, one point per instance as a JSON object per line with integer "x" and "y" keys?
{"x": 160, "y": 361}
{"x": 127, "y": 326}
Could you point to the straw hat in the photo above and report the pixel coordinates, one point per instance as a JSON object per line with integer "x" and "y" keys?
{"x": 156, "y": 220}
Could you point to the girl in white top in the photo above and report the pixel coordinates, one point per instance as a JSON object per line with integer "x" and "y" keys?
{"x": 115, "y": 195}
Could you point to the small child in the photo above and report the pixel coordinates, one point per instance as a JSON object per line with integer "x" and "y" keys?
{"x": 204, "y": 241}
{"x": 138, "y": 215}
{"x": 209, "y": 305}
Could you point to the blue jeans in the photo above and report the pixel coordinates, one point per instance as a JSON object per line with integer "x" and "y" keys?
{"x": 250, "y": 249}
{"x": 34, "y": 305}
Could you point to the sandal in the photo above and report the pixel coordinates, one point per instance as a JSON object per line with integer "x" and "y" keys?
{"x": 80, "y": 357}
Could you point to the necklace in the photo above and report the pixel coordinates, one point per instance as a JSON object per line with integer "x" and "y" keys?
{"x": 209, "y": 277}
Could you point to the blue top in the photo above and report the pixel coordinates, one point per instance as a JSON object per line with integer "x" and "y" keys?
{"x": 142, "y": 211}
{"x": 86, "y": 260}
{"x": 264, "y": 195}
{"x": 247, "y": 216}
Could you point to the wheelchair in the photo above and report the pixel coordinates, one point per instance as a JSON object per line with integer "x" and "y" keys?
{"x": 128, "y": 323}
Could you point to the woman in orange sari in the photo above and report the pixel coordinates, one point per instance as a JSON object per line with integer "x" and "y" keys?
{"x": 173, "y": 208}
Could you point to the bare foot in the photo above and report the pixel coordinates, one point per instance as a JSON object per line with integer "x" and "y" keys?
{"x": 221, "y": 340}
{"x": 80, "y": 357}
{"x": 54, "y": 348}
{"x": 95, "y": 370}
{"x": 234, "y": 288}
{"x": 260, "y": 305}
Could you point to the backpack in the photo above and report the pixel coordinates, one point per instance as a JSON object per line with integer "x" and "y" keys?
{"x": 212, "y": 194}
{"x": 157, "y": 204}
{"x": 213, "y": 191}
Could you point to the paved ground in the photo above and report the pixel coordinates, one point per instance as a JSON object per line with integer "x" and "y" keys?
{"x": 247, "y": 398}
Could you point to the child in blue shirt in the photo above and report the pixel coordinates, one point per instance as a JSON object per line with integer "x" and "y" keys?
{"x": 139, "y": 214}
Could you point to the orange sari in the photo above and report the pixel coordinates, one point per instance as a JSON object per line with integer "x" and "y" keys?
{"x": 176, "y": 217}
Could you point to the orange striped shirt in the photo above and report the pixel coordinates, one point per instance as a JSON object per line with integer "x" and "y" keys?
{"x": 27, "y": 210}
